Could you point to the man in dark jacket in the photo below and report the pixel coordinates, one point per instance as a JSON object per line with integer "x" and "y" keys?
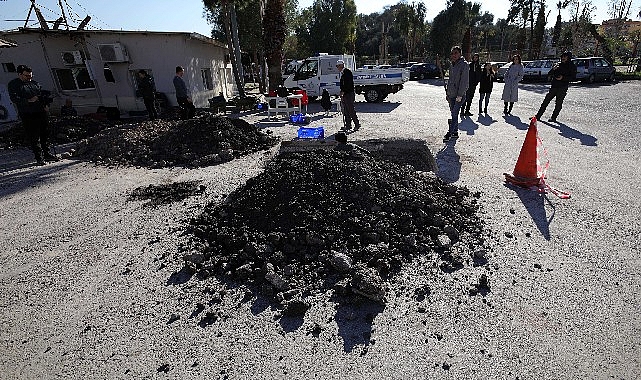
{"x": 347, "y": 96}
{"x": 32, "y": 104}
{"x": 562, "y": 73}
{"x": 147, "y": 90}
{"x": 475, "y": 78}
{"x": 188, "y": 110}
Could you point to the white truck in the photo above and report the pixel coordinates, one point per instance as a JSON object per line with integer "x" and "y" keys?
{"x": 319, "y": 72}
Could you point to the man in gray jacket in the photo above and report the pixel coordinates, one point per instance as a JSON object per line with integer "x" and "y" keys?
{"x": 456, "y": 89}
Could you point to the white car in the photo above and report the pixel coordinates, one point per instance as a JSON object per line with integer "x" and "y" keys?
{"x": 538, "y": 70}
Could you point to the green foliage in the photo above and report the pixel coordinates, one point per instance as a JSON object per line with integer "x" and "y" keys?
{"x": 330, "y": 27}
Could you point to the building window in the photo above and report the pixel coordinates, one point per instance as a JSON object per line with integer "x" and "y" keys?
{"x": 207, "y": 79}
{"x": 9, "y": 67}
{"x": 76, "y": 78}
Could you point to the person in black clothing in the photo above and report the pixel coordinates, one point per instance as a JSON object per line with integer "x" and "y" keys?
{"x": 147, "y": 89}
{"x": 562, "y": 73}
{"x": 485, "y": 87}
{"x": 475, "y": 77}
{"x": 32, "y": 105}
{"x": 347, "y": 96}
{"x": 326, "y": 102}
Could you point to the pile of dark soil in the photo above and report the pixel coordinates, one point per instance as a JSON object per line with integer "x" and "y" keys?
{"x": 62, "y": 130}
{"x": 335, "y": 221}
{"x": 203, "y": 141}
{"x": 157, "y": 195}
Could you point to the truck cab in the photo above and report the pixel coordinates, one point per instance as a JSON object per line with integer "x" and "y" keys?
{"x": 318, "y": 73}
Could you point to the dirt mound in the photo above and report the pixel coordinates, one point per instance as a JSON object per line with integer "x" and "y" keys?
{"x": 330, "y": 220}
{"x": 204, "y": 141}
{"x": 61, "y": 130}
{"x": 157, "y": 195}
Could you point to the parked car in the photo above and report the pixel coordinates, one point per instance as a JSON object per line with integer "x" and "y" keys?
{"x": 501, "y": 71}
{"x": 594, "y": 69}
{"x": 406, "y": 65}
{"x": 384, "y": 67}
{"x": 424, "y": 70}
{"x": 538, "y": 70}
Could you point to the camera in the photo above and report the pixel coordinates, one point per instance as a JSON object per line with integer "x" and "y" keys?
{"x": 45, "y": 97}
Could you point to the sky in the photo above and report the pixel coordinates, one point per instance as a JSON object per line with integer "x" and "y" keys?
{"x": 187, "y": 15}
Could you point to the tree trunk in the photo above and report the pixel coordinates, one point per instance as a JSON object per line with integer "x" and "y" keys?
{"x": 227, "y": 8}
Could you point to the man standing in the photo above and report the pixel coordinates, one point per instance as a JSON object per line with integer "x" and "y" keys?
{"x": 456, "y": 89}
{"x": 347, "y": 97}
{"x": 562, "y": 73}
{"x": 475, "y": 78}
{"x": 32, "y": 107}
{"x": 182, "y": 95}
{"x": 148, "y": 92}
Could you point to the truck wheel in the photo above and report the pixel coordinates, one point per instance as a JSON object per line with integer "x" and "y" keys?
{"x": 373, "y": 95}
{"x": 421, "y": 76}
{"x": 591, "y": 78}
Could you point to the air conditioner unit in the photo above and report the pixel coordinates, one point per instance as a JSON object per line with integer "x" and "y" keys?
{"x": 113, "y": 53}
{"x": 73, "y": 57}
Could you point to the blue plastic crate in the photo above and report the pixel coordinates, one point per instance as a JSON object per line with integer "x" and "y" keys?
{"x": 311, "y": 133}
{"x": 299, "y": 118}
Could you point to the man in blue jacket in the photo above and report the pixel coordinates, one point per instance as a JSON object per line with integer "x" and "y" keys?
{"x": 183, "y": 98}
{"x": 32, "y": 105}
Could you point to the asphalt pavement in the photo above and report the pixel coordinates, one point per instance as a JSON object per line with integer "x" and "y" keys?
{"x": 85, "y": 290}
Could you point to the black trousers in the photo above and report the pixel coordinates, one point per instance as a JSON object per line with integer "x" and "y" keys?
{"x": 187, "y": 108}
{"x": 470, "y": 96}
{"x": 150, "y": 105}
{"x": 559, "y": 93}
{"x": 36, "y": 132}
{"x": 349, "y": 111}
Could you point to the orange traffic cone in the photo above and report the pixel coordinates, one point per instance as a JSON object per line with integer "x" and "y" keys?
{"x": 527, "y": 171}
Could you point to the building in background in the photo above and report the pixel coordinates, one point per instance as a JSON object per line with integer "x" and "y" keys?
{"x": 97, "y": 68}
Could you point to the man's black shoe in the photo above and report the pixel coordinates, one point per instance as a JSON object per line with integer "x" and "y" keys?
{"x": 454, "y": 135}
{"x": 40, "y": 162}
{"x": 50, "y": 157}
{"x": 447, "y": 136}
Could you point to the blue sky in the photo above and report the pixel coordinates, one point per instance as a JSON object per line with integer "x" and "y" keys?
{"x": 187, "y": 15}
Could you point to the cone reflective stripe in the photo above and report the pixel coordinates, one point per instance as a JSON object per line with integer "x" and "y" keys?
{"x": 532, "y": 165}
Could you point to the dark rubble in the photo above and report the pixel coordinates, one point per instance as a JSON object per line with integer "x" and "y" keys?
{"x": 206, "y": 140}
{"x": 326, "y": 220}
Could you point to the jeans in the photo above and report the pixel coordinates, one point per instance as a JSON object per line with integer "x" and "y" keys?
{"x": 455, "y": 109}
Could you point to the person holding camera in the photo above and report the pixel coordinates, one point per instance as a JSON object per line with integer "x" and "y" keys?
{"x": 32, "y": 103}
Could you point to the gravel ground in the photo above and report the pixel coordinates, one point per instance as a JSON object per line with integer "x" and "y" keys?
{"x": 93, "y": 283}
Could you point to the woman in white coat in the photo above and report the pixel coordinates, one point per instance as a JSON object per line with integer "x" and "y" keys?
{"x": 512, "y": 77}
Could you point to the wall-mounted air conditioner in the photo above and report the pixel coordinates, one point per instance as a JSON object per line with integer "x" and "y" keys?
{"x": 113, "y": 53}
{"x": 73, "y": 57}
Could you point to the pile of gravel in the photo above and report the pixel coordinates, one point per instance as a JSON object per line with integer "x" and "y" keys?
{"x": 203, "y": 141}
{"x": 337, "y": 221}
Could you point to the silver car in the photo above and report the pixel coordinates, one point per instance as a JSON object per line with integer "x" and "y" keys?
{"x": 594, "y": 69}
